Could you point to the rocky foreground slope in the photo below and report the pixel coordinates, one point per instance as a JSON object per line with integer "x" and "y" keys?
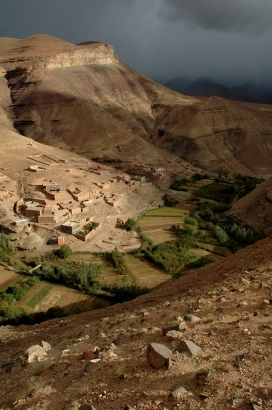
{"x": 219, "y": 360}
{"x": 82, "y": 97}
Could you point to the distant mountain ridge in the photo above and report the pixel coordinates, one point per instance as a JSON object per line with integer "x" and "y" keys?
{"x": 205, "y": 87}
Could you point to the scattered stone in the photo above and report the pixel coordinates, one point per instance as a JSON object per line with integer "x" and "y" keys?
{"x": 128, "y": 408}
{"x": 116, "y": 342}
{"x": 124, "y": 376}
{"x": 159, "y": 355}
{"x": 243, "y": 303}
{"x": 204, "y": 376}
{"x": 240, "y": 357}
{"x": 86, "y": 407}
{"x": 46, "y": 346}
{"x": 203, "y": 396}
{"x": 174, "y": 334}
{"x": 107, "y": 355}
{"x": 192, "y": 318}
{"x": 176, "y": 326}
{"x": 94, "y": 361}
{"x": 177, "y": 394}
{"x": 234, "y": 400}
{"x": 144, "y": 394}
{"x": 35, "y": 353}
{"x": 253, "y": 406}
{"x": 245, "y": 281}
{"x": 263, "y": 285}
{"x": 188, "y": 346}
{"x": 144, "y": 313}
{"x": 88, "y": 354}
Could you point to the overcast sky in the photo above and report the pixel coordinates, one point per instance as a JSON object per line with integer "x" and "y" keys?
{"x": 163, "y": 39}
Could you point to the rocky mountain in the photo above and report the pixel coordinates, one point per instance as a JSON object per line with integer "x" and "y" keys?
{"x": 205, "y": 87}
{"x": 83, "y": 98}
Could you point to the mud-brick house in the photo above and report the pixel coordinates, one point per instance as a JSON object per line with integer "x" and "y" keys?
{"x": 159, "y": 173}
{"x": 33, "y": 212}
{"x": 71, "y": 227}
{"x": 21, "y": 222}
{"x": 81, "y": 196}
{"x": 51, "y": 187}
{"x": 47, "y": 219}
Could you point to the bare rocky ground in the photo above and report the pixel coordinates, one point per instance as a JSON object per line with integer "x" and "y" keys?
{"x": 99, "y": 358}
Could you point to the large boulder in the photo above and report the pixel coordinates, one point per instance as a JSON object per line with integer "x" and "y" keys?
{"x": 159, "y": 355}
{"x": 35, "y": 353}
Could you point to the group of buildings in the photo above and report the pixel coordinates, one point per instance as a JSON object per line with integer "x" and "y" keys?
{"x": 69, "y": 208}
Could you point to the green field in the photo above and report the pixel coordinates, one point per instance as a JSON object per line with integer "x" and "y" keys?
{"x": 166, "y": 211}
{"x": 162, "y": 219}
{"x": 156, "y": 225}
{"x": 145, "y": 273}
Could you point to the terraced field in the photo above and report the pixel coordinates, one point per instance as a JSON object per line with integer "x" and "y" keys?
{"x": 43, "y": 296}
{"x": 6, "y": 277}
{"x": 162, "y": 218}
{"x": 69, "y": 300}
{"x": 160, "y": 235}
{"x": 146, "y": 274}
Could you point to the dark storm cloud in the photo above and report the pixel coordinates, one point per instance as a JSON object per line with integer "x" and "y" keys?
{"x": 162, "y": 39}
{"x": 248, "y": 16}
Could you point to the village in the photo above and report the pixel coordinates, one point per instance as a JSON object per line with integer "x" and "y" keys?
{"x": 75, "y": 200}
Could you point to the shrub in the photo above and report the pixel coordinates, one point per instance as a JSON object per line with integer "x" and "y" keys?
{"x": 191, "y": 226}
{"x": 220, "y": 234}
{"x": 169, "y": 200}
{"x": 130, "y": 224}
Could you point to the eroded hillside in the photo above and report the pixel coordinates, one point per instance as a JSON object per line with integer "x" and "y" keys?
{"x": 255, "y": 208}
{"x": 82, "y": 97}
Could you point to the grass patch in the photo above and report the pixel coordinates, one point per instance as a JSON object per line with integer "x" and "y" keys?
{"x": 166, "y": 211}
{"x": 40, "y": 295}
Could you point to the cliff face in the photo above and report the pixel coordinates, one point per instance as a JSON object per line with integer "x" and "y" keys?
{"x": 50, "y": 52}
{"x": 82, "y": 97}
{"x": 218, "y": 134}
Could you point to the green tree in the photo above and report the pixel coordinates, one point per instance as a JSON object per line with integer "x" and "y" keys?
{"x": 220, "y": 234}
{"x": 63, "y": 252}
{"x": 169, "y": 200}
{"x": 191, "y": 226}
{"x": 130, "y": 224}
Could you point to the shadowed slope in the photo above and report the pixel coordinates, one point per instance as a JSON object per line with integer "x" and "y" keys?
{"x": 82, "y": 97}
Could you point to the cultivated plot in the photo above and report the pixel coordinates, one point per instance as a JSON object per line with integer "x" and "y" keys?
{"x": 6, "y": 277}
{"x": 145, "y": 273}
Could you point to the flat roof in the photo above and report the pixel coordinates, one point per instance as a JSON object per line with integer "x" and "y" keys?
{"x": 70, "y": 223}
